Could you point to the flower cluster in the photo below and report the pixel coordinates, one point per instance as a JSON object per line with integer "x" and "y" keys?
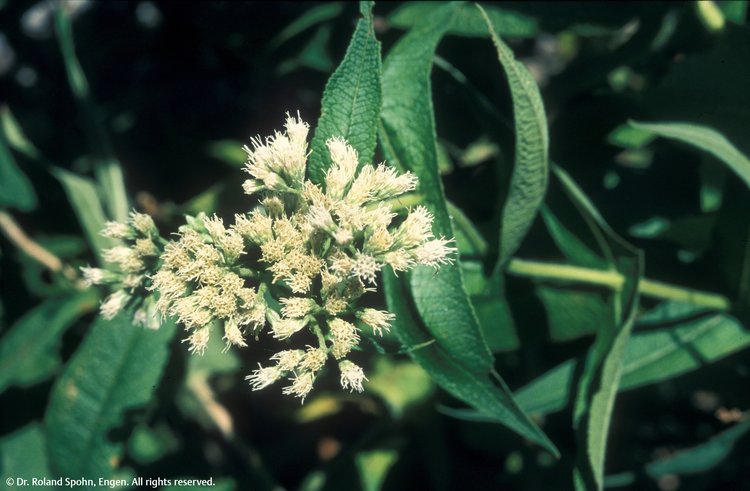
{"x": 130, "y": 262}
{"x": 298, "y": 262}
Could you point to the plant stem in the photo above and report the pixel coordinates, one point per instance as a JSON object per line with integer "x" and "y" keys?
{"x": 18, "y": 237}
{"x": 614, "y": 281}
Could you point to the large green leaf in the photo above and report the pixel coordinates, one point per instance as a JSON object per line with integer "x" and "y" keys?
{"x": 351, "y": 100}
{"x": 84, "y": 198}
{"x": 701, "y": 457}
{"x": 488, "y": 394}
{"x": 116, "y": 369}
{"x": 460, "y": 360}
{"x": 706, "y": 139}
{"x": 107, "y": 168}
{"x": 23, "y": 456}
{"x": 468, "y": 21}
{"x": 408, "y": 138}
{"x": 528, "y": 182}
{"x": 15, "y": 187}
{"x": 28, "y": 351}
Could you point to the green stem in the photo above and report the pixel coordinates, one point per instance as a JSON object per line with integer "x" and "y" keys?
{"x": 614, "y": 281}
{"x": 319, "y": 333}
{"x": 657, "y": 289}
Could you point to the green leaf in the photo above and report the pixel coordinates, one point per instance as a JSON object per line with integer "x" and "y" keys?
{"x": 15, "y": 136}
{"x": 601, "y": 374}
{"x": 693, "y": 92}
{"x": 23, "y": 456}
{"x": 28, "y": 351}
{"x": 84, "y": 198}
{"x": 573, "y": 312}
{"x": 652, "y": 356}
{"x": 702, "y": 457}
{"x": 401, "y": 384}
{"x": 351, "y": 101}
{"x": 467, "y": 20}
{"x": 107, "y": 168}
{"x": 528, "y": 182}
{"x": 15, "y": 188}
{"x": 228, "y": 151}
{"x": 408, "y": 138}
{"x": 310, "y": 18}
{"x": 706, "y": 139}
{"x": 373, "y": 467}
{"x": 116, "y": 369}
{"x": 487, "y": 394}
{"x": 460, "y": 361}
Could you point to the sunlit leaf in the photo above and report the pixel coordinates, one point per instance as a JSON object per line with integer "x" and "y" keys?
{"x": 351, "y": 101}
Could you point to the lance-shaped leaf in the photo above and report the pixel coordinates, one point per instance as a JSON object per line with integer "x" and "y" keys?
{"x": 528, "y": 182}
{"x": 116, "y": 369}
{"x": 351, "y": 100}
{"x": 705, "y": 138}
{"x": 460, "y": 361}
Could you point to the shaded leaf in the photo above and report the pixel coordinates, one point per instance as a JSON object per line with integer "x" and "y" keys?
{"x": 23, "y": 456}
{"x": 310, "y": 18}
{"x": 706, "y": 139}
{"x": 116, "y": 369}
{"x": 15, "y": 188}
{"x": 702, "y": 457}
{"x": 28, "y": 351}
{"x": 467, "y": 20}
{"x": 107, "y": 168}
{"x": 600, "y": 378}
{"x": 652, "y": 356}
{"x": 373, "y": 467}
{"x": 84, "y": 198}
{"x": 351, "y": 101}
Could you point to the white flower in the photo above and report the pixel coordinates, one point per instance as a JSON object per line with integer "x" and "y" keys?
{"x": 416, "y": 228}
{"x": 378, "y": 320}
{"x": 198, "y": 340}
{"x": 143, "y": 223}
{"x": 302, "y": 384}
{"x": 285, "y": 328}
{"x": 343, "y": 337}
{"x": 434, "y": 252}
{"x": 341, "y": 172}
{"x": 366, "y": 267}
{"x": 351, "y": 376}
{"x": 117, "y": 230}
{"x": 233, "y": 335}
{"x": 314, "y": 359}
{"x": 94, "y": 276}
{"x": 288, "y": 360}
{"x": 297, "y": 307}
{"x": 114, "y": 304}
{"x": 263, "y": 377}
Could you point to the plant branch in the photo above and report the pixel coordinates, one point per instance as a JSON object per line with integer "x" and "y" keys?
{"x": 614, "y": 281}
{"x": 18, "y": 237}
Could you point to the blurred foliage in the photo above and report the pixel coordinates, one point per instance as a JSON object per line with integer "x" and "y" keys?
{"x": 592, "y": 334}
